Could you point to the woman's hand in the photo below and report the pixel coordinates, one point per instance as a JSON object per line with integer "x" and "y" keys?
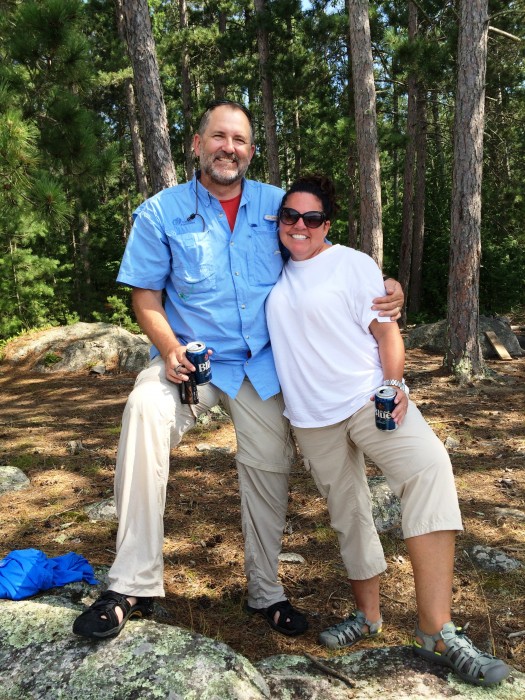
{"x": 401, "y": 408}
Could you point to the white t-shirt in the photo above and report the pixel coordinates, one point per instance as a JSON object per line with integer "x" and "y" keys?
{"x": 318, "y": 316}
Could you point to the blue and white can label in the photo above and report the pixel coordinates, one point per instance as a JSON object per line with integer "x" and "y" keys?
{"x": 384, "y": 401}
{"x": 197, "y": 354}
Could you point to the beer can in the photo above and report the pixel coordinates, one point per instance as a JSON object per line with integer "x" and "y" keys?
{"x": 197, "y": 354}
{"x": 384, "y": 402}
{"x": 188, "y": 390}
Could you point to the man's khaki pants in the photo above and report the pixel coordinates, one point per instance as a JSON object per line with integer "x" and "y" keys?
{"x": 154, "y": 420}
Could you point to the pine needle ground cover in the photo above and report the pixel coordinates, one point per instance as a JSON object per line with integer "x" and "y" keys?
{"x": 62, "y": 431}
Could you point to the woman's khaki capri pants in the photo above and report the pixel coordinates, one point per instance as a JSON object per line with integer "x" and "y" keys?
{"x": 416, "y": 466}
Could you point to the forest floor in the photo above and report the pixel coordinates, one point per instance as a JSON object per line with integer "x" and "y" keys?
{"x": 41, "y": 414}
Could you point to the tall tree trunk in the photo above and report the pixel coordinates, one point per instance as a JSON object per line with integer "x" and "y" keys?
{"x": 351, "y": 161}
{"x": 463, "y": 357}
{"x": 407, "y": 229}
{"x": 270, "y": 123}
{"x": 219, "y": 83}
{"x": 152, "y": 109}
{"x": 189, "y": 160}
{"x": 139, "y": 165}
{"x": 366, "y": 130}
{"x": 418, "y": 221}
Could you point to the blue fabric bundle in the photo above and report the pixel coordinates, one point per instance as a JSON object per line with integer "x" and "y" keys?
{"x": 24, "y": 572}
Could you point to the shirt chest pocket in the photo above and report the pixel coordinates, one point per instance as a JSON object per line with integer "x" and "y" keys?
{"x": 193, "y": 261}
{"x": 265, "y": 261}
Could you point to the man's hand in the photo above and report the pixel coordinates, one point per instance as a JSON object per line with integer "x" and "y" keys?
{"x": 178, "y": 366}
{"x": 392, "y": 303}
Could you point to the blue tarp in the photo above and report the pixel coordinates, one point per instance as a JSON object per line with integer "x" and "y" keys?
{"x": 24, "y": 572}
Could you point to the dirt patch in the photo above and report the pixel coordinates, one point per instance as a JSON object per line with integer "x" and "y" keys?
{"x": 41, "y": 415}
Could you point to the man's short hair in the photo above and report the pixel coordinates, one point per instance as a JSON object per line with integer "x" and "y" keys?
{"x": 227, "y": 103}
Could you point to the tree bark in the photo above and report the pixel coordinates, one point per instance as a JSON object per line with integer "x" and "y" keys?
{"x": 418, "y": 221}
{"x": 189, "y": 160}
{"x": 139, "y": 164}
{"x": 219, "y": 84}
{"x": 366, "y": 130}
{"x": 463, "y": 357}
{"x": 407, "y": 221}
{"x": 150, "y": 99}
{"x": 270, "y": 123}
{"x": 351, "y": 161}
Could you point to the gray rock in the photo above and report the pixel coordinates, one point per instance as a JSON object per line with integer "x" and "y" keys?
{"x": 510, "y": 513}
{"x": 433, "y": 337}
{"x": 387, "y": 673}
{"x": 490, "y": 559}
{"x": 386, "y": 506}
{"x": 291, "y": 558}
{"x": 12, "y": 479}
{"x": 45, "y": 661}
{"x": 40, "y": 659}
{"x": 208, "y": 447}
{"x": 104, "y": 510}
{"x": 82, "y": 346}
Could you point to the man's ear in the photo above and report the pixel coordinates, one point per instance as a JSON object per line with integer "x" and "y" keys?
{"x": 196, "y": 145}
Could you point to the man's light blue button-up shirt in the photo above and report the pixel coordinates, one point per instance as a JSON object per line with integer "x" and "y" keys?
{"x": 216, "y": 281}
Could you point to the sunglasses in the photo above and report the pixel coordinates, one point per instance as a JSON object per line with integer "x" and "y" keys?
{"x": 312, "y": 219}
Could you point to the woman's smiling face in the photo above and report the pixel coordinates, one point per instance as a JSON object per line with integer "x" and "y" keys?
{"x": 303, "y": 242}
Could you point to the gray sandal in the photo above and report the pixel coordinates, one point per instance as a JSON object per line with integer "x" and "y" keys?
{"x": 350, "y": 631}
{"x": 470, "y": 664}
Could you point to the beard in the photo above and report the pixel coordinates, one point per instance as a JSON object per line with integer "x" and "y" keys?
{"x": 211, "y": 165}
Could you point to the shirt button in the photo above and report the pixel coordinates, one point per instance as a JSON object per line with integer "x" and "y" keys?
{"x": 247, "y": 337}
{"x": 236, "y": 274}
{"x": 243, "y": 306}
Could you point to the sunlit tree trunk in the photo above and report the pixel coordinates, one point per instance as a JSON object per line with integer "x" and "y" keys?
{"x": 150, "y": 99}
{"x": 139, "y": 164}
{"x": 463, "y": 357}
{"x": 366, "y": 131}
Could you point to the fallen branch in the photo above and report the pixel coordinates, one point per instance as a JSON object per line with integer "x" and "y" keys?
{"x": 330, "y": 671}
{"x": 512, "y": 635}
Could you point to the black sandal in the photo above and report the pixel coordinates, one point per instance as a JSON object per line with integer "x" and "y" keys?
{"x": 290, "y": 622}
{"x": 100, "y": 619}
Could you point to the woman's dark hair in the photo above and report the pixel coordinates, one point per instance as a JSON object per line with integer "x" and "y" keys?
{"x": 318, "y": 185}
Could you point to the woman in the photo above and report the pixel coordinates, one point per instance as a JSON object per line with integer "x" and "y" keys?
{"x": 332, "y": 352}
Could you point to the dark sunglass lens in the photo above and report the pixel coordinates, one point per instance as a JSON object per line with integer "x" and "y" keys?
{"x": 313, "y": 219}
{"x": 289, "y": 216}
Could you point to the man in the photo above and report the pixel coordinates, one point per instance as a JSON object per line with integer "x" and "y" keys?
{"x": 202, "y": 258}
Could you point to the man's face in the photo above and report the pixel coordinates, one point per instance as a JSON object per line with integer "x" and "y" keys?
{"x": 225, "y": 148}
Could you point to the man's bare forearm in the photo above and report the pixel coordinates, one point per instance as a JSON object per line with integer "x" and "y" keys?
{"x": 151, "y": 317}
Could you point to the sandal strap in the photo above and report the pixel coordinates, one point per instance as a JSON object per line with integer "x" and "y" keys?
{"x": 107, "y": 602}
{"x": 460, "y": 654}
{"x": 285, "y": 610}
{"x": 350, "y": 630}
{"x": 290, "y": 620}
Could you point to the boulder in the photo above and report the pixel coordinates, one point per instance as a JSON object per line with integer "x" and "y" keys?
{"x": 12, "y": 479}
{"x": 433, "y": 337}
{"x": 79, "y": 347}
{"x": 40, "y": 659}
